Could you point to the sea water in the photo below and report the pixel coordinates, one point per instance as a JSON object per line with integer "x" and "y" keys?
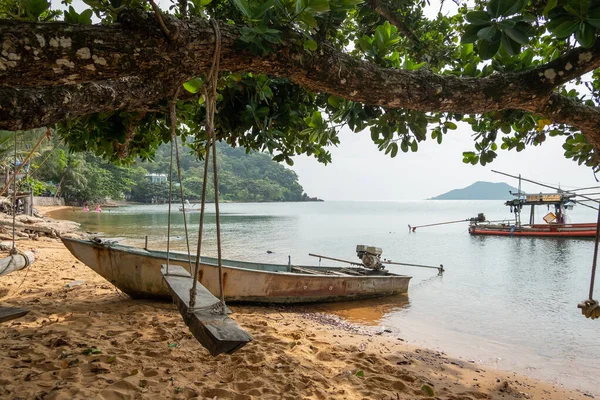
{"x": 507, "y": 302}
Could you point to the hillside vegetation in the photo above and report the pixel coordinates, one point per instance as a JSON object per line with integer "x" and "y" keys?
{"x": 85, "y": 177}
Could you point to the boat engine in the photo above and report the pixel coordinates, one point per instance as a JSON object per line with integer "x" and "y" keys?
{"x": 370, "y": 256}
{"x": 480, "y": 218}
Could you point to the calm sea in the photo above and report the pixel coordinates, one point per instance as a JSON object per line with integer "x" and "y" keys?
{"x": 507, "y": 302}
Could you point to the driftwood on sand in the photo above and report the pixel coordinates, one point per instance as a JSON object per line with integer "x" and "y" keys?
{"x": 32, "y": 227}
{"x": 16, "y": 262}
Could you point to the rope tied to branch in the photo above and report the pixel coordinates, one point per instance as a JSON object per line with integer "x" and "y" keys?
{"x": 210, "y": 93}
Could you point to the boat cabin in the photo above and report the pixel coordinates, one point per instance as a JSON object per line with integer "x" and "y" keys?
{"x": 557, "y": 204}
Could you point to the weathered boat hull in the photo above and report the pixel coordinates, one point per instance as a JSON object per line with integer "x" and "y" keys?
{"x": 587, "y": 230}
{"x": 137, "y": 272}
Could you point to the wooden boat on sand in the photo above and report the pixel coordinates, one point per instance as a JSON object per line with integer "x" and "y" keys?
{"x": 137, "y": 272}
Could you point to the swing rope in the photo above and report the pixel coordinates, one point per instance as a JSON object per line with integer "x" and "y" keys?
{"x": 173, "y": 113}
{"x": 210, "y": 95}
{"x": 590, "y": 307}
{"x": 14, "y": 248}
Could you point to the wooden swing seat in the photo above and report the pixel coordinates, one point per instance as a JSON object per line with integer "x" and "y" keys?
{"x": 10, "y": 313}
{"x": 215, "y": 331}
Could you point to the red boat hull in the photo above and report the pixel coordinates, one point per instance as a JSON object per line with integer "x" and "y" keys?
{"x": 537, "y": 230}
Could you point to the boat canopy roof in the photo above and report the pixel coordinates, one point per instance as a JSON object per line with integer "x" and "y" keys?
{"x": 542, "y": 199}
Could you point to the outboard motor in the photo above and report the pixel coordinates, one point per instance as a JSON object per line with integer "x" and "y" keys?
{"x": 370, "y": 256}
{"x": 480, "y": 218}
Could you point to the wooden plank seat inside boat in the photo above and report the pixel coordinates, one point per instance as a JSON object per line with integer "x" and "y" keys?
{"x": 215, "y": 331}
{"x": 10, "y": 313}
{"x": 304, "y": 270}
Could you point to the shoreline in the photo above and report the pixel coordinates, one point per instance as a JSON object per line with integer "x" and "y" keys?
{"x": 146, "y": 351}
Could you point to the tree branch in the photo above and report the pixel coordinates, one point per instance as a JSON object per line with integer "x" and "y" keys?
{"x": 387, "y": 12}
{"x": 53, "y": 71}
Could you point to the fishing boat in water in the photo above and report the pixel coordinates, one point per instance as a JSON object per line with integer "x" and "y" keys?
{"x": 137, "y": 272}
{"x": 555, "y": 224}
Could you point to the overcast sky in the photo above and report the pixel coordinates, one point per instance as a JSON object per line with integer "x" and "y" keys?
{"x": 359, "y": 171}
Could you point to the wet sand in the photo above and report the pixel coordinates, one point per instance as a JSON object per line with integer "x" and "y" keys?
{"x": 92, "y": 341}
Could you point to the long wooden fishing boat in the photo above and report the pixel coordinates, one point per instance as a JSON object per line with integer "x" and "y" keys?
{"x": 587, "y": 230}
{"x": 555, "y": 219}
{"x": 137, "y": 272}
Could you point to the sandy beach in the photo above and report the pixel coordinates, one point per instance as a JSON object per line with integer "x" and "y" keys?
{"x": 91, "y": 341}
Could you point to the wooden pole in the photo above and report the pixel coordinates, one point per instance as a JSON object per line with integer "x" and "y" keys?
{"x": 46, "y": 135}
{"x": 336, "y": 259}
{"x": 16, "y": 262}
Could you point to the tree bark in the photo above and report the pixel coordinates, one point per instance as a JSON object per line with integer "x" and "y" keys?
{"x": 55, "y": 71}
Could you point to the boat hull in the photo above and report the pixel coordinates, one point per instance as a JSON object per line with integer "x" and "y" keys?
{"x": 137, "y": 272}
{"x": 587, "y": 230}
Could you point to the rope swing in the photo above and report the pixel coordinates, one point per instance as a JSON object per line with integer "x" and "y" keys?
{"x": 210, "y": 94}
{"x": 590, "y": 307}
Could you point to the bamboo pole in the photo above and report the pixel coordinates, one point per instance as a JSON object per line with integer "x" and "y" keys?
{"x": 46, "y": 135}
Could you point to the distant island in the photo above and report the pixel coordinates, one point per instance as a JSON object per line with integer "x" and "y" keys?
{"x": 479, "y": 191}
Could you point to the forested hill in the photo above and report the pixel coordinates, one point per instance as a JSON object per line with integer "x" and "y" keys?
{"x": 242, "y": 176}
{"x": 479, "y": 191}
{"x": 85, "y": 177}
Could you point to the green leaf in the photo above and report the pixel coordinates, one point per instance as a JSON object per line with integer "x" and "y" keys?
{"x": 586, "y": 35}
{"x": 450, "y": 125}
{"x": 487, "y": 33}
{"x": 487, "y": 49}
{"x": 260, "y": 11}
{"x": 193, "y": 85}
{"x": 318, "y": 6}
{"x": 243, "y": 6}
{"x": 86, "y": 17}
{"x": 36, "y": 7}
{"x": 360, "y": 373}
{"x": 566, "y": 28}
{"x": 478, "y": 18}
{"x": 503, "y": 8}
{"x": 172, "y": 345}
{"x": 594, "y": 17}
{"x": 511, "y": 47}
{"x": 549, "y": 6}
{"x": 414, "y": 146}
{"x": 310, "y": 45}
{"x": 333, "y": 101}
{"x": 465, "y": 50}
{"x": 394, "y": 149}
{"x": 517, "y": 35}
{"x": 470, "y": 35}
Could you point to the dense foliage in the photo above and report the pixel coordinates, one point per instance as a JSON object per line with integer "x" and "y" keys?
{"x": 290, "y": 111}
{"x": 85, "y": 177}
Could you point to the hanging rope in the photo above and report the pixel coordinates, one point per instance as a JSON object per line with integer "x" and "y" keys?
{"x": 14, "y": 178}
{"x": 590, "y": 307}
{"x": 210, "y": 94}
{"x": 169, "y": 213}
{"x": 173, "y": 114}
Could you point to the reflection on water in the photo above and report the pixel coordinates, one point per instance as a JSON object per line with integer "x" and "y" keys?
{"x": 508, "y": 301}
{"x": 369, "y": 312}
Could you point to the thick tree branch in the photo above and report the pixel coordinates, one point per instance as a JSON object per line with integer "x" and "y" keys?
{"x": 387, "y": 12}
{"x": 49, "y": 72}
